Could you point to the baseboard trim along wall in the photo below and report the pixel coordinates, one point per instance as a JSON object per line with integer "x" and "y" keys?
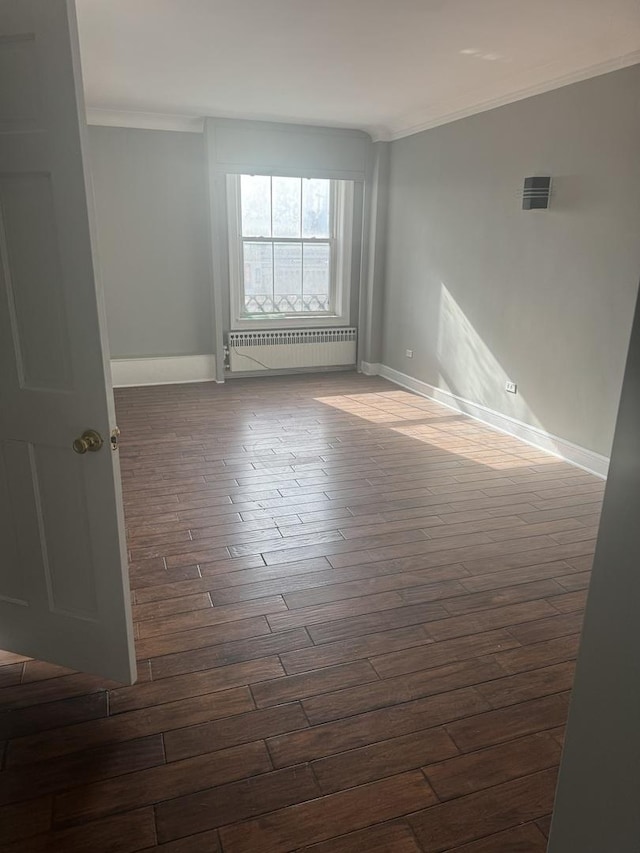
{"x": 128, "y": 372}
{"x": 595, "y": 463}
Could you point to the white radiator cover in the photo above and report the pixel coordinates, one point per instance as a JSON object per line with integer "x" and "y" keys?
{"x": 291, "y": 348}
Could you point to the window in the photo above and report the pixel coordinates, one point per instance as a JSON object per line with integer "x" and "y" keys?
{"x": 290, "y": 253}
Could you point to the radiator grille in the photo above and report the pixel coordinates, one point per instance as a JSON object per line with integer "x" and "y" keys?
{"x": 290, "y": 348}
{"x": 290, "y": 336}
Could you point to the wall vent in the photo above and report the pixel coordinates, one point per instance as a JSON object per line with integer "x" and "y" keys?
{"x": 536, "y": 193}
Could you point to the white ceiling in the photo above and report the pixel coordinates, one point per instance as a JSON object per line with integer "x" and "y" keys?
{"x": 390, "y": 67}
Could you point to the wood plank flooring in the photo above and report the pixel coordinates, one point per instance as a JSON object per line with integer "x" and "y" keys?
{"x": 357, "y": 614}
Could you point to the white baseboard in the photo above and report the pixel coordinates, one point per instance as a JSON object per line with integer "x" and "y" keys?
{"x": 369, "y": 368}
{"x": 588, "y": 460}
{"x": 127, "y": 372}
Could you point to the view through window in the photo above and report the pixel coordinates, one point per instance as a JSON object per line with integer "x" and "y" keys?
{"x": 287, "y": 244}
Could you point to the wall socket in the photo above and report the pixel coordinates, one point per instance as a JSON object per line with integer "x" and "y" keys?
{"x": 511, "y": 387}
{"x": 408, "y": 353}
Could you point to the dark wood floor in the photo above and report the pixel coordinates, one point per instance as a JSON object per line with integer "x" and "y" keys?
{"x": 356, "y": 616}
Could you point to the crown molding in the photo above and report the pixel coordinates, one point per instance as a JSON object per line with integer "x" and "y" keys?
{"x": 408, "y": 126}
{"x": 195, "y": 124}
{"x": 418, "y": 122}
{"x": 145, "y": 121}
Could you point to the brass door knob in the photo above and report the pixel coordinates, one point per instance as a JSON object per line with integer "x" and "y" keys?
{"x": 90, "y": 440}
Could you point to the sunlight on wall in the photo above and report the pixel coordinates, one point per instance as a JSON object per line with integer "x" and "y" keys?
{"x": 470, "y": 372}
{"x": 469, "y": 369}
{"x": 471, "y": 381}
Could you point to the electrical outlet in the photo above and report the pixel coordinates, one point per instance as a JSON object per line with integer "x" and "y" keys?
{"x": 408, "y": 353}
{"x": 511, "y": 387}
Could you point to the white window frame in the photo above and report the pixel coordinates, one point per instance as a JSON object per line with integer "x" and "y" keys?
{"x": 341, "y": 241}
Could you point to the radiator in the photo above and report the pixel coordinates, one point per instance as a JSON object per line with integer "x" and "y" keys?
{"x": 278, "y": 350}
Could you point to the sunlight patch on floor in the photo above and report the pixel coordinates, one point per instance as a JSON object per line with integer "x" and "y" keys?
{"x": 440, "y": 427}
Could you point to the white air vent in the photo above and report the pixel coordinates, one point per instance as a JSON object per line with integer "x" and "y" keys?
{"x": 284, "y": 349}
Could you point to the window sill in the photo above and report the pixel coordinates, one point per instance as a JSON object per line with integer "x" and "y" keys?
{"x": 285, "y": 321}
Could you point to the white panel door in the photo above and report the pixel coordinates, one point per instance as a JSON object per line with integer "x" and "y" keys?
{"x": 64, "y": 591}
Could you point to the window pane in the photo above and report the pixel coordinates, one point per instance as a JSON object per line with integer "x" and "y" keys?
{"x": 315, "y": 207}
{"x": 286, "y": 207}
{"x": 258, "y": 278}
{"x": 255, "y": 199}
{"x": 287, "y": 261}
{"x": 316, "y": 266}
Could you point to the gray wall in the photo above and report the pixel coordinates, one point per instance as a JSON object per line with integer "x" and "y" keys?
{"x": 596, "y": 809}
{"x": 483, "y": 291}
{"x": 372, "y": 298}
{"x": 237, "y": 147}
{"x": 151, "y": 209}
